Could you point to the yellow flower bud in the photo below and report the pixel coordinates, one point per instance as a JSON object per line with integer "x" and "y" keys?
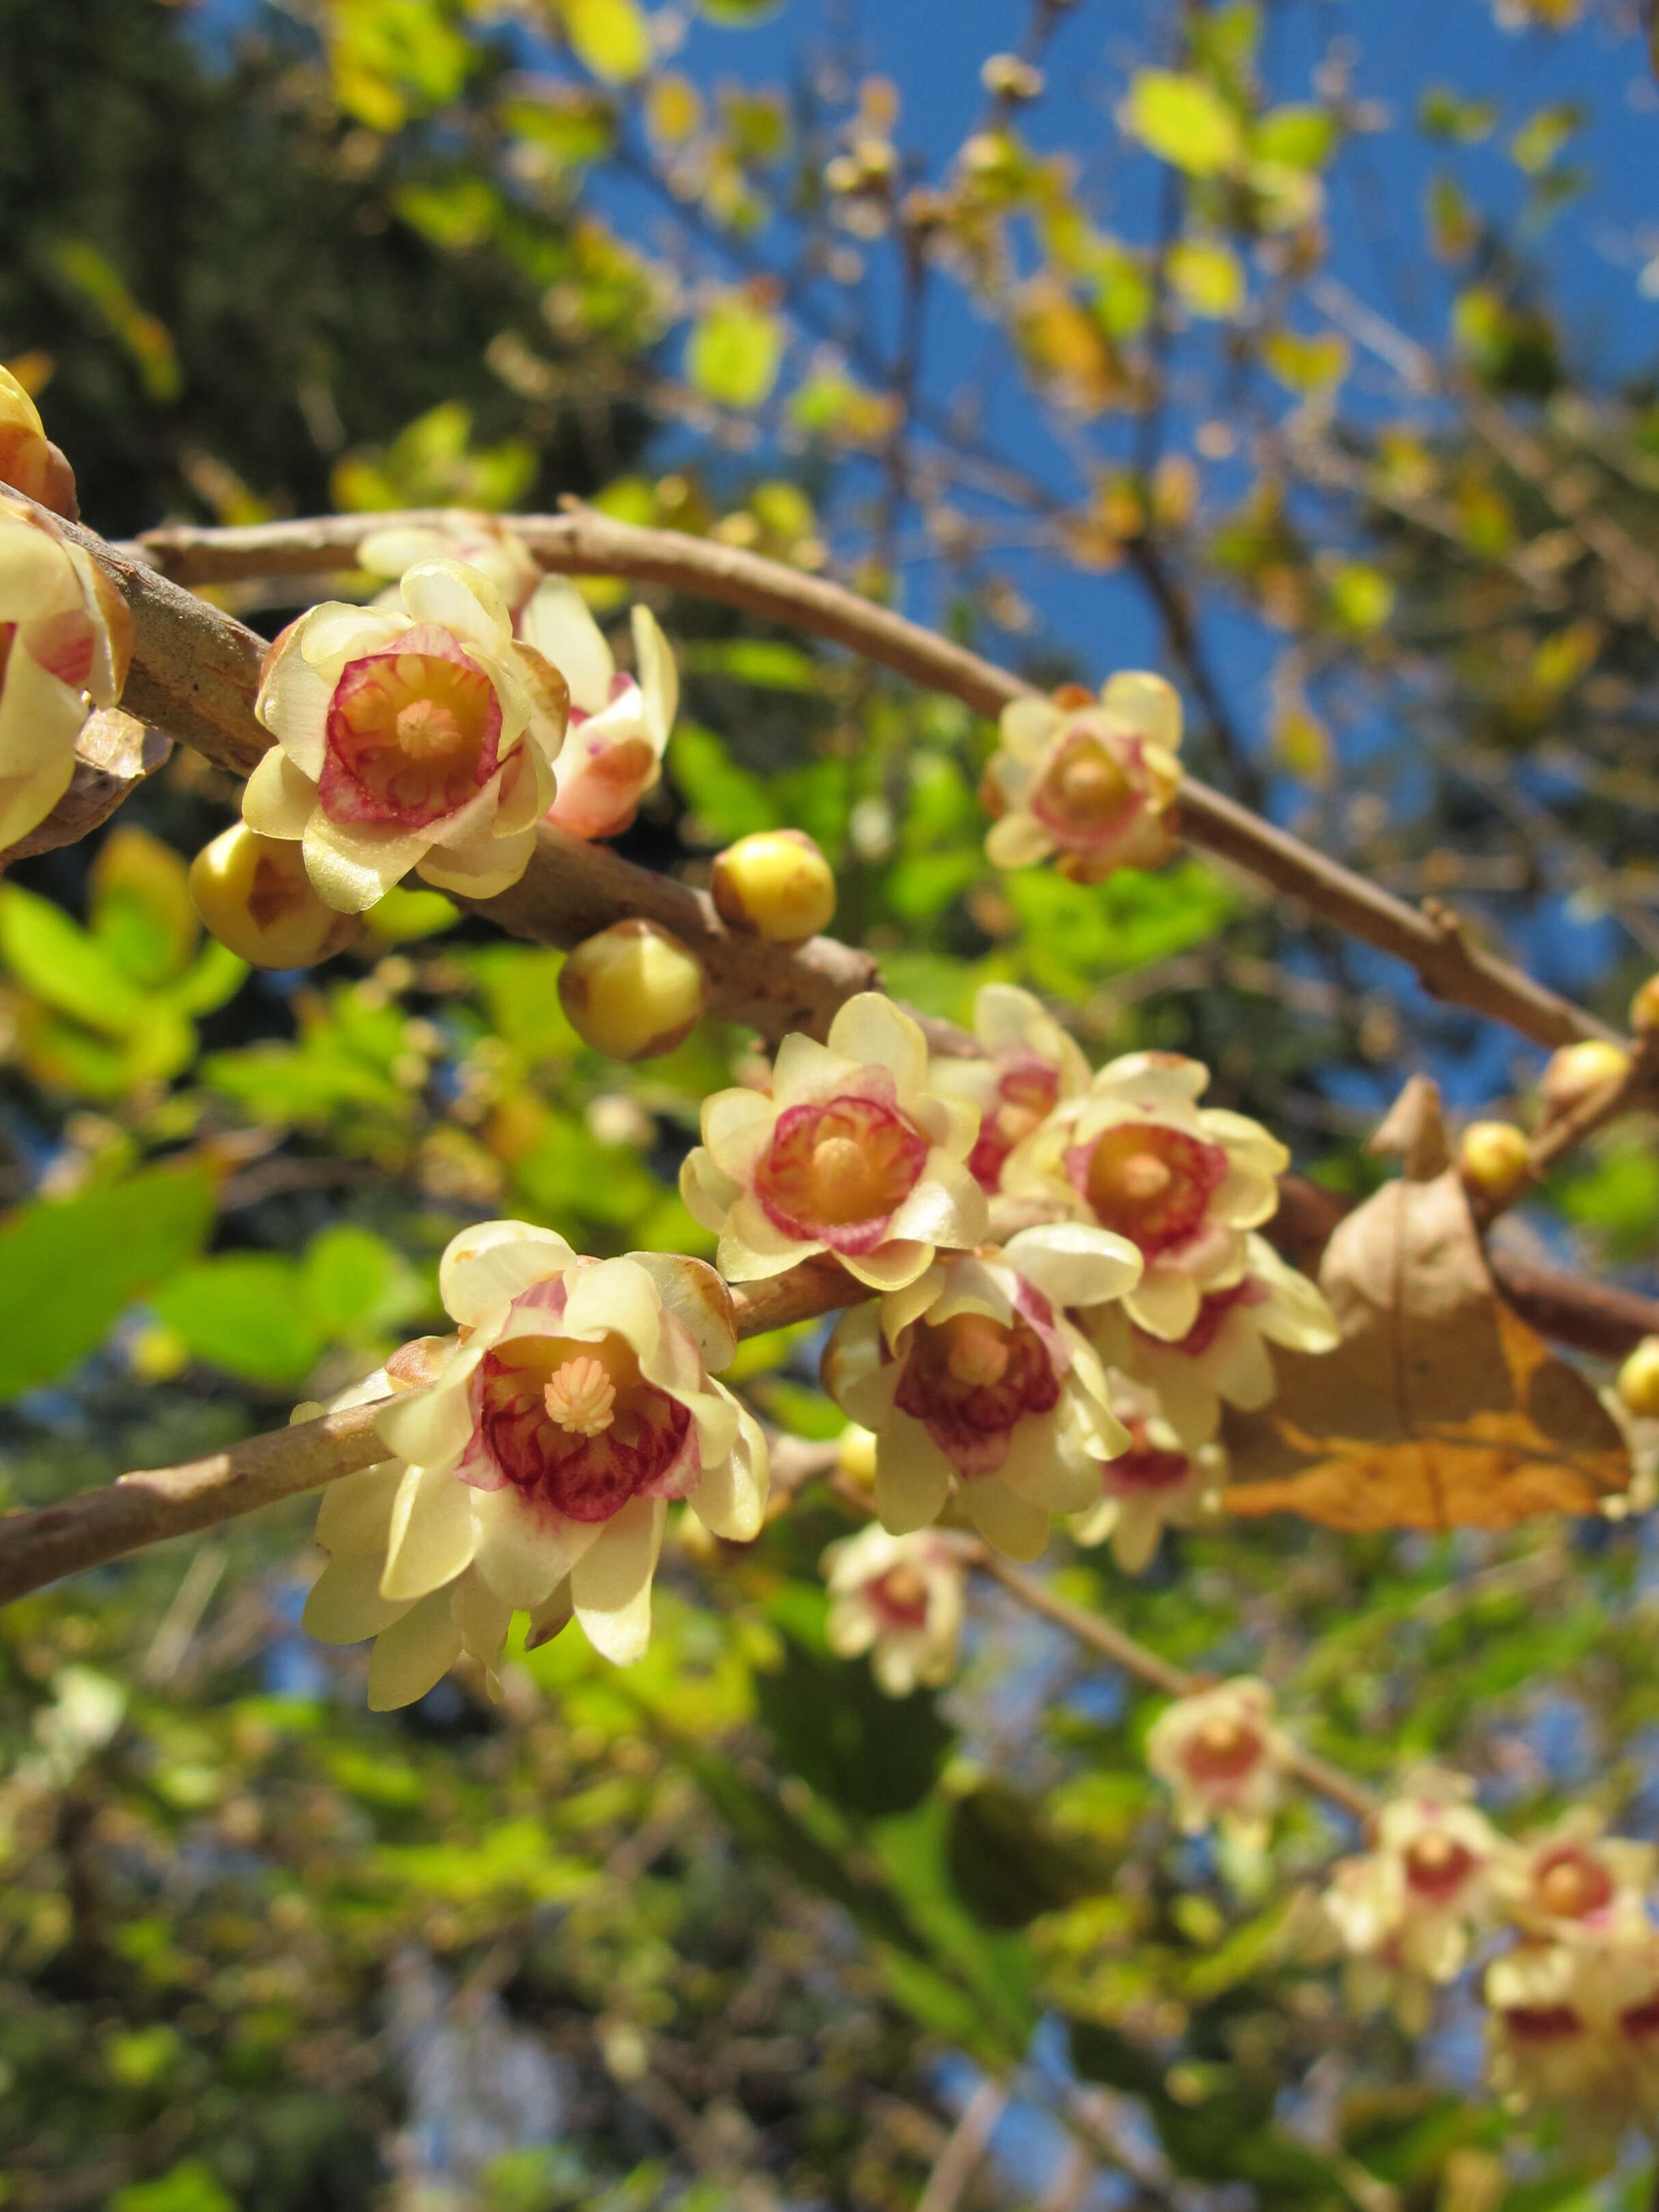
{"x": 1578, "y": 1070}
{"x": 23, "y": 452}
{"x": 855, "y": 1454}
{"x": 254, "y": 895}
{"x": 633, "y": 991}
{"x": 1644, "y": 1006}
{"x": 1639, "y": 1380}
{"x": 1492, "y": 1158}
{"x": 776, "y": 883}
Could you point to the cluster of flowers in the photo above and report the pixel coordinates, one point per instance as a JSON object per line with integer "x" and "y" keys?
{"x": 1570, "y": 1981}
{"x": 1077, "y": 1369}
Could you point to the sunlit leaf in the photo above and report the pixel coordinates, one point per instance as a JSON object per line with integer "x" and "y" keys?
{"x": 1183, "y": 120}
{"x": 734, "y": 353}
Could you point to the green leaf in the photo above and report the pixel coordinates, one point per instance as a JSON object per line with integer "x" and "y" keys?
{"x": 734, "y": 353}
{"x": 1301, "y": 136}
{"x": 727, "y": 801}
{"x": 356, "y": 1283}
{"x": 70, "y": 1267}
{"x": 1208, "y": 275}
{"x": 609, "y": 36}
{"x": 244, "y": 1312}
{"x": 190, "y": 2186}
{"x": 1182, "y": 120}
{"x": 66, "y": 965}
{"x": 863, "y": 1751}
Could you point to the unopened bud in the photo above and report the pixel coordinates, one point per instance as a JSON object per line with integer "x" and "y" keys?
{"x": 855, "y": 1454}
{"x": 775, "y": 885}
{"x": 1005, "y": 76}
{"x": 1578, "y": 1071}
{"x": 633, "y": 991}
{"x": 254, "y": 896}
{"x": 1639, "y": 1380}
{"x": 1644, "y": 1007}
{"x": 23, "y": 452}
{"x": 1492, "y": 1158}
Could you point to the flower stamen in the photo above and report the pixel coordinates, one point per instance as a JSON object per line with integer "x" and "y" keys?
{"x": 581, "y": 1397}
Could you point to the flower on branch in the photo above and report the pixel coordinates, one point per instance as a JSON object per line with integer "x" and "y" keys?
{"x": 29, "y": 462}
{"x": 1138, "y": 1155}
{"x": 1223, "y": 1754}
{"x": 65, "y": 640}
{"x": 1573, "y": 1876}
{"x": 1223, "y": 1357}
{"x": 1573, "y": 2025}
{"x": 851, "y": 1153}
{"x": 900, "y": 1599}
{"x": 1405, "y": 1912}
{"x": 619, "y": 724}
{"x": 483, "y": 542}
{"x": 973, "y": 1380}
{"x": 535, "y": 1473}
{"x": 1090, "y": 780}
{"x": 1156, "y": 1482}
{"x": 422, "y": 738}
{"x": 1026, "y": 1064}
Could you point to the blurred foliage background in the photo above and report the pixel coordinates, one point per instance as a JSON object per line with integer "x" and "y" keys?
{"x": 1323, "y": 382}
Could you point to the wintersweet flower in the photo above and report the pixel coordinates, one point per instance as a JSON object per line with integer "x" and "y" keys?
{"x": 902, "y": 1600}
{"x": 1555, "y": 2037}
{"x": 619, "y": 724}
{"x": 420, "y": 738}
{"x": 483, "y": 542}
{"x": 535, "y": 1473}
{"x": 1155, "y": 1483}
{"x": 971, "y": 1377}
{"x": 1091, "y": 779}
{"x": 851, "y": 1153}
{"x": 1573, "y": 1876}
{"x": 1026, "y": 1064}
{"x": 29, "y": 462}
{"x": 65, "y": 640}
{"x": 1137, "y": 1153}
{"x": 1223, "y": 1357}
{"x": 1223, "y": 1755}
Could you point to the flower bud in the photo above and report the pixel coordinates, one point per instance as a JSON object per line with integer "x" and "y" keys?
{"x": 254, "y": 894}
{"x": 1644, "y": 1007}
{"x": 775, "y": 884}
{"x": 1639, "y": 1380}
{"x": 1578, "y": 1071}
{"x": 1492, "y": 1158}
{"x": 855, "y": 1454}
{"x": 633, "y": 991}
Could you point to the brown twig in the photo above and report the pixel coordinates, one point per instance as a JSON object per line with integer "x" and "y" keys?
{"x": 1147, "y": 1665}
{"x": 1432, "y": 941}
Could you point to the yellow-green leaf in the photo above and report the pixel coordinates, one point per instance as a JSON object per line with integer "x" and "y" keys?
{"x": 609, "y": 36}
{"x": 1182, "y": 120}
{"x": 1208, "y": 275}
{"x": 734, "y": 354}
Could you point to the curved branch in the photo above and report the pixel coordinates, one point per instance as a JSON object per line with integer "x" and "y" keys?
{"x": 1431, "y": 941}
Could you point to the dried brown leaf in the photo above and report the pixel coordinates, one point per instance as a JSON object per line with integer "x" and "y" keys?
{"x": 1440, "y": 1409}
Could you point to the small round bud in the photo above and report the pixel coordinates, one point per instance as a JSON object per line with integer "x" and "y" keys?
{"x": 1005, "y": 76}
{"x": 633, "y": 991}
{"x": 776, "y": 885}
{"x": 855, "y": 1454}
{"x": 1639, "y": 1380}
{"x": 1644, "y": 1007}
{"x": 1578, "y": 1071}
{"x": 1492, "y": 1158}
{"x": 254, "y": 896}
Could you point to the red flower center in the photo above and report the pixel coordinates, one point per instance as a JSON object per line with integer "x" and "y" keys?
{"x": 837, "y": 1173}
{"x": 901, "y": 1597}
{"x": 576, "y": 1427}
{"x": 1437, "y": 1866}
{"x": 1542, "y": 2023}
{"x": 1151, "y": 1183}
{"x": 1222, "y": 1750}
{"x": 1213, "y": 1310}
{"x": 1639, "y": 2021}
{"x": 969, "y": 1379}
{"x": 1570, "y": 1884}
{"x": 412, "y": 733}
{"x": 1145, "y": 1467}
{"x": 1086, "y": 794}
{"x": 1026, "y": 1090}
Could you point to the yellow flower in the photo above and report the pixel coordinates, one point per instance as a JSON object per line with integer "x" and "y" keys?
{"x": 1571, "y": 2026}
{"x": 535, "y": 1473}
{"x": 1091, "y": 781}
{"x": 1137, "y": 1153}
{"x": 972, "y": 1381}
{"x": 1223, "y": 1754}
{"x": 1223, "y": 1357}
{"x": 1572, "y": 1875}
{"x": 1026, "y": 1064}
{"x": 900, "y": 1599}
{"x": 1155, "y": 1483}
{"x": 619, "y": 724}
{"x": 65, "y": 640}
{"x": 852, "y": 1154}
{"x": 483, "y": 542}
{"x": 423, "y": 738}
